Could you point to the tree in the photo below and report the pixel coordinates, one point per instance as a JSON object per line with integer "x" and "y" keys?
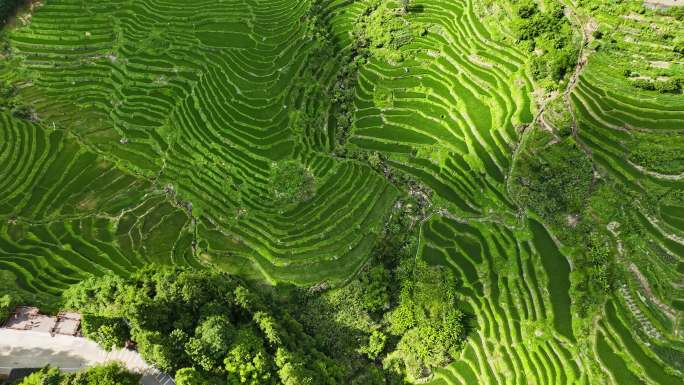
{"x": 106, "y": 331}
{"x": 247, "y": 362}
{"x": 679, "y": 47}
{"x": 192, "y": 376}
{"x": 376, "y": 296}
{"x": 213, "y": 338}
{"x": 375, "y": 346}
{"x": 6, "y": 304}
{"x": 24, "y": 112}
{"x": 527, "y": 9}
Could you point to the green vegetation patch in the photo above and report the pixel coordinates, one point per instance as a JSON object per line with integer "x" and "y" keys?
{"x": 208, "y": 324}
{"x": 553, "y": 177}
{"x": 291, "y": 182}
{"x": 546, "y": 32}
{"x": 108, "y": 374}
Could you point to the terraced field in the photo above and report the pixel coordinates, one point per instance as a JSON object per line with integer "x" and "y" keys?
{"x": 68, "y": 212}
{"x": 166, "y": 93}
{"x": 160, "y": 124}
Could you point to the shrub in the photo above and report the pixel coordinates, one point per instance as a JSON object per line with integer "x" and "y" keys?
{"x": 644, "y": 84}
{"x": 669, "y": 86}
{"x": 45, "y": 376}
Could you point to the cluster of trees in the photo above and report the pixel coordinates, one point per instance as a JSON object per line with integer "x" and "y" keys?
{"x": 595, "y": 273}
{"x": 202, "y": 326}
{"x": 549, "y": 35}
{"x": 671, "y": 85}
{"x": 384, "y": 27}
{"x": 429, "y": 325}
{"x": 291, "y": 182}
{"x": 110, "y": 374}
{"x": 10, "y": 102}
{"x": 7, "y": 94}
{"x": 553, "y": 179}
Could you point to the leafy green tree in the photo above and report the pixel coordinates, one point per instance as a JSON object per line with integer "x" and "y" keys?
{"x": 106, "y": 331}
{"x": 291, "y": 369}
{"x": 247, "y": 362}
{"x": 192, "y": 376}
{"x": 376, "y": 344}
{"x": 7, "y": 94}
{"x": 6, "y": 304}
{"x": 212, "y": 341}
{"x": 376, "y": 295}
{"x": 679, "y": 47}
{"x": 527, "y": 9}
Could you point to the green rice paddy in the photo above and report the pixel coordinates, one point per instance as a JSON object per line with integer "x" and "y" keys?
{"x": 160, "y": 123}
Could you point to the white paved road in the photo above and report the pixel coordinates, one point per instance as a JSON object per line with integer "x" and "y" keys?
{"x": 27, "y": 349}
